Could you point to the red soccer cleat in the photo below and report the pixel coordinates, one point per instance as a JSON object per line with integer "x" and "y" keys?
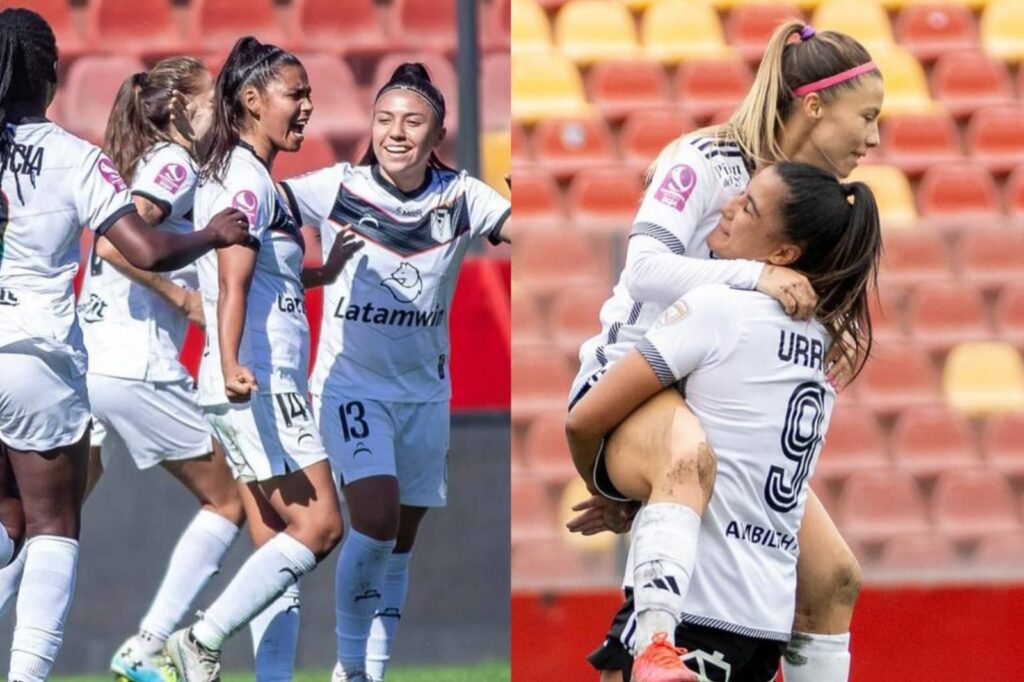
{"x": 660, "y": 662}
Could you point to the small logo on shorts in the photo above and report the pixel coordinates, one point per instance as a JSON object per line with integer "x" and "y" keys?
{"x": 361, "y": 449}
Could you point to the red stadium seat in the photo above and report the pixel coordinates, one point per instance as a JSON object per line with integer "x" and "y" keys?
{"x": 1000, "y": 550}
{"x": 540, "y": 383}
{"x": 316, "y": 153}
{"x": 929, "y": 31}
{"x": 605, "y": 199}
{"x": 442, "y": 74}
{"x": 995, "y": 137}
{"x": 969, "y": 504}
{"x": 915, "y": 142}
{"x": 646, "y": 133}
{"x": 533, "y": 509}
{"x": 555, "y": 563}
{"x": 966, "y": 81}
{"x": 138, "y": 28}
{"x": 496, "y": 26}
{"x": 750, "y": 26}
{"x": 1002, "y": 443}
{"x": 876, "y": 505}
{"x": 619, "y": 88}
{"x": 520, "y": 144}
{"x": 338, "y": 26}
{"x": 496, "y": 87}
{"x": 426, "y": 24}
{"x": 553, "y": 259}
{"x": 527, "y": 319}
{"x": 707, "y": 86}
{"x": 547, "y": 451}
{"x": 960, "y": 194}
{"x": 1009, "y": 314}
{"x": 991, "y": 257}
{"x": 887, "y": 325}
{"x": 917, "y": 553}
{"x": 1014, "y": 196}
{"x": 338, "y": 114}
{"x": 854, "y": 442}
{"x": 575, "y": 316}
{"x": 92, "y": 87}
{"x": 914, "y": 257}
{"x": 538, "y": 200}
{"x": 944, "y": 314}
{"x": 217, "y": 24}
{"x": 566, "y": 146}
{"x": 59, "y": 15}
{"x": 898, "y": 378}
{"x": 928, "y": 441}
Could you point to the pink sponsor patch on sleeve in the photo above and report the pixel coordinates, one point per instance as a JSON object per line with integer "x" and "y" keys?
{"x": 246, "y": 202}
{"x": 109, "y": 173}
{"x": 171, "y": 177}
{"x": 677, "y": 187}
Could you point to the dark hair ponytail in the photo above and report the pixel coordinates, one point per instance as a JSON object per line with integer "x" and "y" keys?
{"x": 249, "y": 63}
{"x": 837, "y": 226}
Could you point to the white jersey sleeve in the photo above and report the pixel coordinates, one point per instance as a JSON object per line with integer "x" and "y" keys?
{"x": 168, "y": 179}
{"x": 681, "y": 194}
{"x": 488, "y": 210}
{"x": 311, "y": 196}
{"x": 102, "y": 194}
{"x": 247, "y": 192}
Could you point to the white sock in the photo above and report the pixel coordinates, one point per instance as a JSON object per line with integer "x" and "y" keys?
{"x": 196, "y": 558}
{"x": 275, "y": 637}
{"x": 260, "y": 580}
{"x": 6, "y": 546}
{"x": 358, "y": 583}
{"x": 817, "y": 658}
{"x": 389, "y": 613}
{"x": 47, "y": 587}
{"x": 665, "y": 549}
{"x": 10, "y": 581}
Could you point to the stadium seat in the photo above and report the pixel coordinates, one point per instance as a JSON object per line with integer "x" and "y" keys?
{"x": 887, "y": 326}
{"x": 567, "y": 145}
{"x": 533, "y": 509}
{"x": 707, "y": 86}
{"x": 141, "y": 28}
{"x": 426, "y": 24}
{"x": 495, "y": 35}
{"x": 966, "y": 505}
{"x": 540, "y": 383}
{"x": 553, "y": 259}
{"x": 1014, "y": 196}
{"x": 621, "y": 88}
{"x": 906, "y": 88}
{"x": 995, "y": 138}
{"x": 914, "y": 257}
{"x": 604, "y": 199}
{"x": 1000, "y": 551}
{"x": 1002, "y": 443}
{"x": 865, "y": 20}
{"x": 965, "y": 81}
{"x": 1009, "y": 313}
{"x": 673, "y": 31}
{"x": 527, "y": 318}
{"x": 854, "y": 442}
{"x": 496, "y": 160}
{"x": 645, "y": 133}
{"x": 557, "y": 563}
{"x": 58, "y": 14}
{"x": 918, "y": 553}
{"x": 92, "y": 87}
{"x": 521, "y": 151}
{"x": 546, "y": 449}
{"x": 876, "y": 505}
{"x": 915, "y": 142}
{"x": 215, "y": 25}
{"x": 545, "y": 85}
{"x": 338, "y": 115}
{"x": 316, "y": 153}
{"x": 961, "y": 194}
{"x": 896, "y": 379}
{"x": 1002, "y": 30}
{"x": 932, "y": 30}
{"x": 575, "y": 316}
{"x": 927, "y": 441}
{"x": 990, "y": 257}
{"x": 892, "y": 193}
{"x": 750, "y": 26}
{"x": 588, "y": 31}
{"x": 339, "y": 27}
{"x": 531, "y": 31}
{"x": 496, "y": 87}
{"x": 982, "y": 378}
{"x": 946, "y": 313}
{"x": 538, "y": 200}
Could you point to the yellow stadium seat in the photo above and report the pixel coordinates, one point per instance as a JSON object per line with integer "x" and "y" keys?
{"x": 677, "y": 30}
{"x": 906, "y": 87}
{"x": 982, "y": 378}
{"x": 638, "y": 5}
{"x": 531, "y": 31}
{"x": 892, "y": 192}
{"x": 575, "y": 492}
{"x": 805, "y": 5}
{"x": 546, "y": 85}
{"x": 587, "y": 31}
{"x": 865, "y": 20}
{"x": 1002, "y": 30}
{"x": 496, "y": 159}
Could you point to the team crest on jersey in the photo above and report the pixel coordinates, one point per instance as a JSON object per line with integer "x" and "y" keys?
{"x": 673, "y": 314}
{"x": 405, "y": 283}
{"x": 677, "y": 187}
{"x": 109, "y": 173}
{"x": 171, "y": 177}
{"x": 441, "y": 224}
{"x": 246, "y": 202}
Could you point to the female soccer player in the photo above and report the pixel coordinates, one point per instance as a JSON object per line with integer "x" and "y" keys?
{"x": 815, "y": 100}
{"x": 381, "y": 386}
{"x": 54, "y": 183}
{"x": 757, "y": 385}
{"x": 252, "y": 381}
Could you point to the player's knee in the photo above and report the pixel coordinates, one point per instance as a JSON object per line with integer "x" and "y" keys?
{"x": 692, "y": 467}
{"x": 379, "y": 524}
{"x": 230, "y": 507}
{"x": 63, "y": 525}
{"x": 322, "y": 534}
{"x": 846, "y": 581}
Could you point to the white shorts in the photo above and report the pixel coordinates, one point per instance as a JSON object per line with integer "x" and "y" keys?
{"x": 149, "y": 422}
{"x": 43, "y": 404}
{"x": 271, "y": 435}
{"x": 406, "y": 440}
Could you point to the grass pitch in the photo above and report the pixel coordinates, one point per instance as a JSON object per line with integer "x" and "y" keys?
{"x": 485, "y": 672}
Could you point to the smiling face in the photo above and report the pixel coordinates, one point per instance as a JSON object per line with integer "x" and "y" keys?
{"x": 404, "y": 132}
{"x": 844, "y": 129}
{"x": 751, "y": 226}
{"x": 282, "y": 110}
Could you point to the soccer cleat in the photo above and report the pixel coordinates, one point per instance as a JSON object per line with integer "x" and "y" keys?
{"x": 131, "y": 665}
{"x": 660, "y": 662}
{"x": 195, "y": 663}
{"x": 339, "y": 676}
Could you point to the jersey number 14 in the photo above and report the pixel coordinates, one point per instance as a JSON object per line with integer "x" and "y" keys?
{"x": 801, "y": 441}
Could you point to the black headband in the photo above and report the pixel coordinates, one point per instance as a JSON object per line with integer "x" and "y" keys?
{"x": 427, "y": 91}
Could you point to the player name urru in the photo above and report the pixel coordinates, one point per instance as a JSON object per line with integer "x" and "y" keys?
{"x": 800, "y": 350}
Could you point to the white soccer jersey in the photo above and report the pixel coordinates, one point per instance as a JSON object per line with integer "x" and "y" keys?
{"x": 681, "y": 207}
{"x": 131, "y": 332}
{"x": 54, "y": 183}
{"x": 384, "y": 334}
{"x": 756, "y": 380}
{"x": 275, "y": 341}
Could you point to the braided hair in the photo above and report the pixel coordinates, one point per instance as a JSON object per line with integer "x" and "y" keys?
{"x": 28, "y": 70}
